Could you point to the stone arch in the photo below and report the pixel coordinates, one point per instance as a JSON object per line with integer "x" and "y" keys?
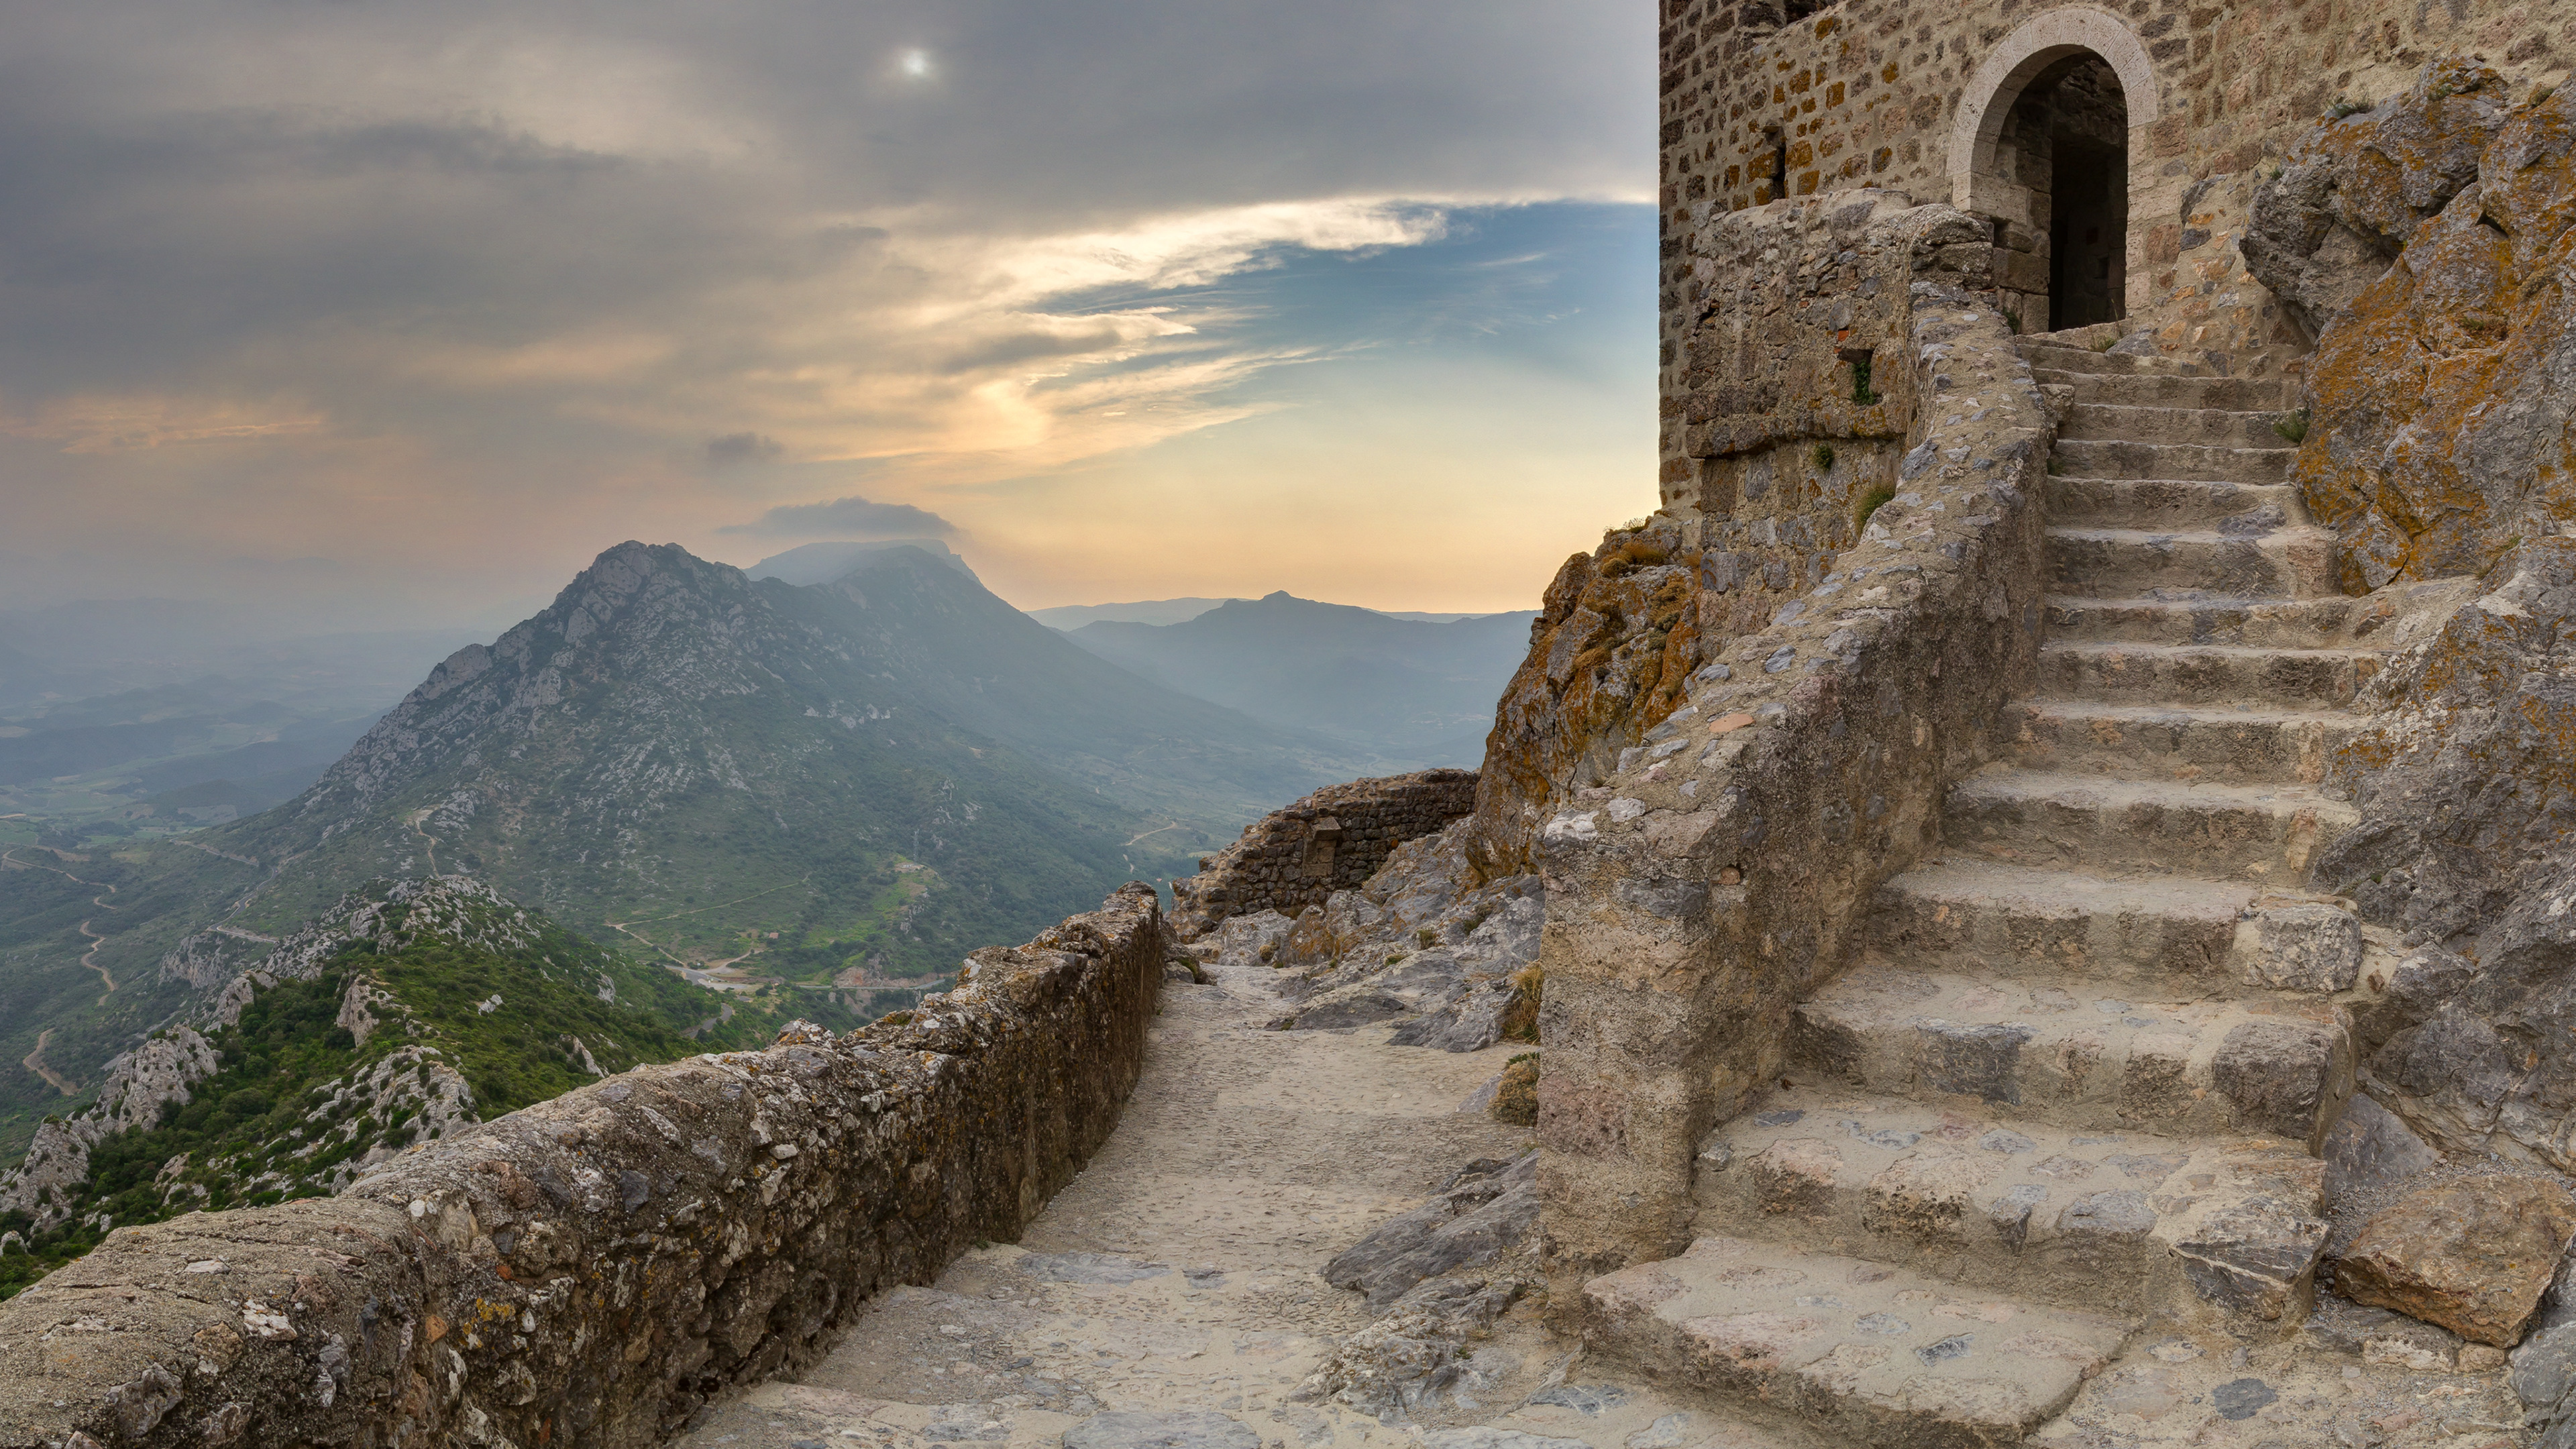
{"x": 2041, "y": 48}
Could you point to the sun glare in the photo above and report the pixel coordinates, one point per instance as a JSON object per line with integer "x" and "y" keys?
{"x": 915, "y": 64}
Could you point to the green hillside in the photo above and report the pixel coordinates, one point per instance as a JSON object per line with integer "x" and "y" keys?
{"x": 479, "y": 1008}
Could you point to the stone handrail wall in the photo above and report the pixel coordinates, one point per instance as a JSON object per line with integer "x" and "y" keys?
{"x": 1723, "y": 871}
{"x": 590, "y": 1270}
{"x": 1333, "y": 840}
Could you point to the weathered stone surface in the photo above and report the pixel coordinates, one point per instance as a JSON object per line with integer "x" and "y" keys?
{"x": 1184, "y": 1429}
{"x": 2472, "y": 1254}
{"x": 2372, "y": 1149}
{"x": 1469, "y": 1225}
{"x": 2304, "y": 948}
{"x": 2278, "y": 1073}
{"x": 2351, "y": 196}
{"x": 592, "y": 1269}
{"x": 2466, "y": 781}
{"x": 2439, "y": 407}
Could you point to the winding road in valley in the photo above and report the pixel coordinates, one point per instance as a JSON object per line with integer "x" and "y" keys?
{"x": 88, "y": 958}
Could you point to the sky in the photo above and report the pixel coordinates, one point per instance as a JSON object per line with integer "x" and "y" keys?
{"x": 389, "y": 315}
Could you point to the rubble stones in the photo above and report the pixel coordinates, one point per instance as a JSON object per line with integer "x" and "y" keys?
{"x": 1332, "y": 840}
{"x": 1469, "y": 1225}
{"x": 2472, "y": 1254}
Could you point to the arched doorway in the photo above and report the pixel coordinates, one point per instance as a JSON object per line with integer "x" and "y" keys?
{"x": 2048, "y": 138}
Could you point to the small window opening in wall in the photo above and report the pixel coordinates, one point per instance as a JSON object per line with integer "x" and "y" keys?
{"x": 2001, "y": 228}
{"x": 1859, "y": 358}
{"x": 1779, "y": 145}
{"x": 1801, "y": 9}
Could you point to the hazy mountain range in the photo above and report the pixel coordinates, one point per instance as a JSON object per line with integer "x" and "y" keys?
{"x": 1408, "y": 689}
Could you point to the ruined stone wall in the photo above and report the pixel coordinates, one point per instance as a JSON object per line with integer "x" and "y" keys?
{"x": 1779, "y": 489}
{"x": 1717, "y": 872}
{"x": 590, "y": 1270}
{"x": 1882, "y": 94}
{"x": 1333, "y": 840}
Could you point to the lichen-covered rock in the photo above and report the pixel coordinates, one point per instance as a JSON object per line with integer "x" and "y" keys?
{"x": 1611, "y": 654}
{"x": 2352, "y": 196}
{"x": 2440, "y": 397}
{"x": 2472, "y": 1254}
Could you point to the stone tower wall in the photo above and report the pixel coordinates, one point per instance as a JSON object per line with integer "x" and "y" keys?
{"x": 1883, "y": 95}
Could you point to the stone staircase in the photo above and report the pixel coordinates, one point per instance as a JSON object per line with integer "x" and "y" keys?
{"x": 2070, "y": 1100}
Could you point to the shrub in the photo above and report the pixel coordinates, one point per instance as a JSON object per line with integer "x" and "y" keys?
{"x": 1516, "y": 1095}
{"x": 2292, "y": 425}
{"x": 1823, "y": 457}
{"x": 1869, "y": 503}
{"x": 1520, "y": 1017}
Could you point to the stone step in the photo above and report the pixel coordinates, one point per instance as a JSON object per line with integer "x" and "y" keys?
{"x": 2273, "y": 396}
{"x": 2121, "y": 458}
{"x": 2213, "y": 427}
{"x": 2184, "y": 616}
{"x": 2169, "y": 503}
{"x": 1871, "y": 1354}
{"x": 2073, "y": 1057}
{"x": 1968, "y": 915}
{"x": 2216, "y": 743}
{"x": 2058, "y": 357}
{"x": 2126, "y": 1223}
{"x": 2261, "y": 833}
{"x": 2188, "y": 674}
{"x": 2112, "y": 563}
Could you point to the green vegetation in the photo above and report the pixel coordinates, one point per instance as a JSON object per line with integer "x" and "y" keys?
{"x": 2292, "y": 425}
{"x": 1822, "y": 455}
{"x": 1861, "y": 393}
{"x": 1869, "y": 504}
{"x": 297, "y": 1099}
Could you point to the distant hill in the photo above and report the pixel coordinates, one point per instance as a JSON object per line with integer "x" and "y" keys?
{"x": 1069, "y": 617}
{"x": 820, "y": 563}
{"x": 1144, "y": 611}
{"x": 1418, "y": 692}
{"x": 839, "y": 788}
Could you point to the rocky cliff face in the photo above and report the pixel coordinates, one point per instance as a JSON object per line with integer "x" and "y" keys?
{"x": 2424, "y": 239}
{"x": 1610, "y": 654}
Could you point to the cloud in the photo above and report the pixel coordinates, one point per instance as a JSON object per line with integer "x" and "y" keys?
{"x": 735, "y": 449}
{"x": 844, "y": 516}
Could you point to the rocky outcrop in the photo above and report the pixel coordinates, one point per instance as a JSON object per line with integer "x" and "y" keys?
{"x": 590, "y": 1270}
{"x": 160, "y": 1073}
{"x": 2466, "y": 783}
{"x": 1420, "y": 938}
{"x": 2443, "y": 388}
{"x": 1332, "y": 840}
{"x": 2349, "y": 199}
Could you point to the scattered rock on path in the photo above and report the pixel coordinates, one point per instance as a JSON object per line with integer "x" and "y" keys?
{"x": 2472, "y": 1254}
{"x": 1186, "y": 1429}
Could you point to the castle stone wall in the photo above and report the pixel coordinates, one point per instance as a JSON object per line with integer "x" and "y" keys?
{"x": 1332, "y": 840}
{"x": 1718, "y": 874}
{"x": 1884, "y": 95}
{"x": 591, "y": 1270}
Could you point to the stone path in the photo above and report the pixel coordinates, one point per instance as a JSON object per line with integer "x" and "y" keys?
{"x": 1179, "y": 1272}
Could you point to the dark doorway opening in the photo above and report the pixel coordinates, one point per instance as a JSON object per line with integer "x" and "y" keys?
{"x": 2065, "y": 143}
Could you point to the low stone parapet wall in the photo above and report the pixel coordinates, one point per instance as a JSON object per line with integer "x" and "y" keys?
{"x": 1333, "y": 840}
{"x": 590, "y": 1270}
{"x": 1725, "y": 868}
